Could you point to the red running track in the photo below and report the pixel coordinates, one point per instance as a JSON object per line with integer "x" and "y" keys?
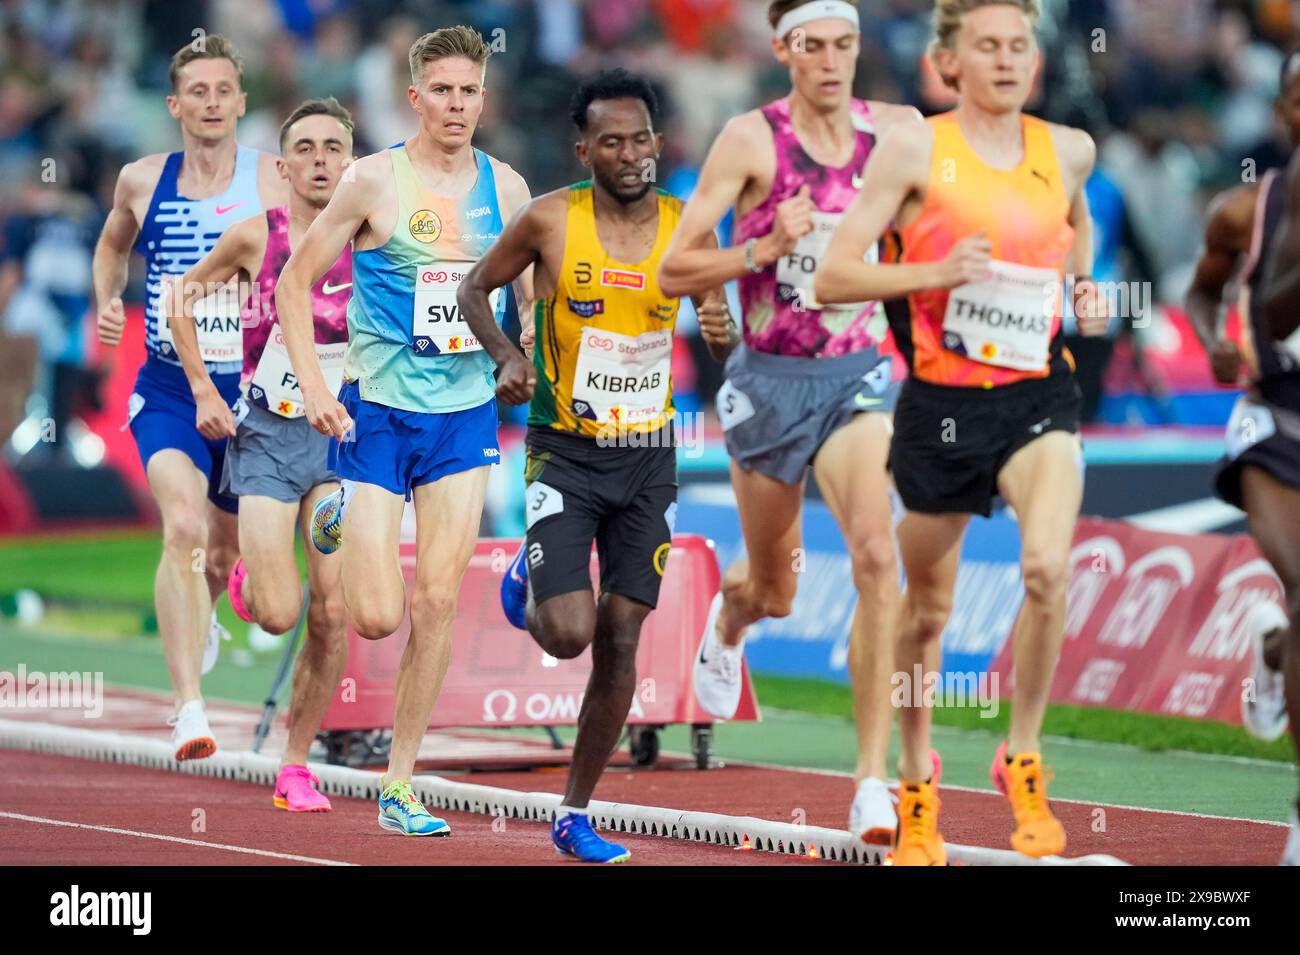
{"x": 240, "y": 814}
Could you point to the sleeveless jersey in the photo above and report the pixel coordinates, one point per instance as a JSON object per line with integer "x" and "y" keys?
{"x": 1005, "y": 330}
{"x": 276, "y": 388}
{"x": 604, "y": 340}
{"x": 1275, "y": 368}
{"x": 408, "y": 346}
{"x": 781, "y": 314}
{"x": 175, "y": 234}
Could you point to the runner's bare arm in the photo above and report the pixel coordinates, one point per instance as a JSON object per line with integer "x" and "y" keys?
{"x": 1227, "y": 237}
{"x": 517, "y": 248}
{"x": 895, "y": 173}
{"x": 514, "y": 196}
{"x": 113, "y": 250}
{"x": 717, "y": 327}
{"x": 692, "y": 265}
{"x": 320, "y": 247}
{"x": 1078, "y": 155}
{"x": 1281, "y": 298}
{"x": 236, "y": 252}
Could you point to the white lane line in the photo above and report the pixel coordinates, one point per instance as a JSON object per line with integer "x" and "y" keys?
{"x": 153, "y": 835}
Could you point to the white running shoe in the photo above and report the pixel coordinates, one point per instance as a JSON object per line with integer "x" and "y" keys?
{"x": 1264, "y": 712}
{"x": 872, "y": 817}
{"x": 1291, "y": 854}
{"x": 191, "y": 734}
{"x": 717, "y": 669}
{"x": 212, "y": 649}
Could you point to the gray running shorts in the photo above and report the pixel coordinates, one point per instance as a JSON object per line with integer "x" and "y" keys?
{"x": 275, "y": 457}
{"x": 777, "y": 411}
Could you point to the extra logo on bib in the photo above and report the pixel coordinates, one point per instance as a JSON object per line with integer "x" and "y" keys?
{"x": 795, "y": 270}
{"x": 437, "y": 326}
{"x": 622, "y": 379}
{"x": 1007, "y": 320}
{"x": 216, "y": 319}
{"x": 275, "y": 386}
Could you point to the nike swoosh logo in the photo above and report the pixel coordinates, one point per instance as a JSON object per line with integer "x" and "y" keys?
{"x": 331, "y": 289}
{"x": 862, "y": 401}
{"x": 857, "y": 181}
{"x": 222, "y": 210}
{"x": 1038, "y": 428}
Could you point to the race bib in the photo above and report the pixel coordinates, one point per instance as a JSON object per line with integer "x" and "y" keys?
{"x": 1250, "y": 423}
{"x": 1007, "y": 320}
{"x": 216, "y": 319}
{"x": 734, "y": 406}
{"x": 275, "y": 386}
{"x": 437, "y": 326}
{"x": 622, "y": 379}
{"x": 795, "y": 271}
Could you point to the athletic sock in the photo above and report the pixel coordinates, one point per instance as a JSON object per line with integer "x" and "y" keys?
{"x": 563, "y": 811}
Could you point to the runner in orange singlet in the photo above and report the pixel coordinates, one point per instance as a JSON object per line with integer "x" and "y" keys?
{"x": 992, "y": 214}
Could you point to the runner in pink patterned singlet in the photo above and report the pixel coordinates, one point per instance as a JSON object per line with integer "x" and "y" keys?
{"x": 329, "y": 296}
{"x": 808, "y": 388}
{"x": 780, "y": 311}
{"x": 276, "y": 463}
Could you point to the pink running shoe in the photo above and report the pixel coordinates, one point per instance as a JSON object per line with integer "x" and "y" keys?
{"x": 235, "y": 588}
{"x": 296, "y": 790}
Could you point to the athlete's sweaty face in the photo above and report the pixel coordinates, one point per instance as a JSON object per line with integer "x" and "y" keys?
{"x": 823, "y": 58}
{"x": 449, "y": 99}
{"x": 621, "y": 147}
{"x": 994, "y": 58}
{"x": 207, "y": 99}
{"x": 315, "y": 151}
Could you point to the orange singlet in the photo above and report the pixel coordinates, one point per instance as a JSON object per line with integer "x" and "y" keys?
{"x": 996, "y": 333}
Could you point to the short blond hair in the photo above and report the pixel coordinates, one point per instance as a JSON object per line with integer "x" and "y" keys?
{"x": 212, "y": 46}
{"x": 447, "y": 43}
{"x": 948, "y": 16}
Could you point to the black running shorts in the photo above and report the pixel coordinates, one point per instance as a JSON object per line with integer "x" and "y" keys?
{"x": 623, "y": 498}
{"x": 950, "y": 444}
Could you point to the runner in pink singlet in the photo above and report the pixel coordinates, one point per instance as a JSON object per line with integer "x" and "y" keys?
{"x": 808, "y": 388}
{"x": 782, "y": 317}
{"x": 276, "y": 463}
{"x": 329, "y": 298}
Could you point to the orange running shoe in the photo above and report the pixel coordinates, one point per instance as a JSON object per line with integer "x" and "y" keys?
{"x": 1024, "y": 782}
{"x": 917, "y": 840}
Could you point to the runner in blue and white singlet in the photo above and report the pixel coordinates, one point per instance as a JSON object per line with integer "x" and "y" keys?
{"x": 172, "y": 209}
{"x": 176, "y": 233}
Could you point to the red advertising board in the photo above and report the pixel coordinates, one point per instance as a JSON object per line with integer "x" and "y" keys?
{"x": 1157, "y": 622}
{"x": 499, "y": 676}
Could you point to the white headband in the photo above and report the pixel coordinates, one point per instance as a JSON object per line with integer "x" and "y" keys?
{"x": 821, "y": 10}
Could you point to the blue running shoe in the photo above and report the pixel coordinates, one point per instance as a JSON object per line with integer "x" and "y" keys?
{"x": 574, "y": 836}
{"x": 327, "y": 523}
{"x": 400, "y": 811}
{"x": 514, "y": 589}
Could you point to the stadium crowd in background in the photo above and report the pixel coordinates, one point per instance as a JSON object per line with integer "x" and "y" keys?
{"x": 1178, "y": 93}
